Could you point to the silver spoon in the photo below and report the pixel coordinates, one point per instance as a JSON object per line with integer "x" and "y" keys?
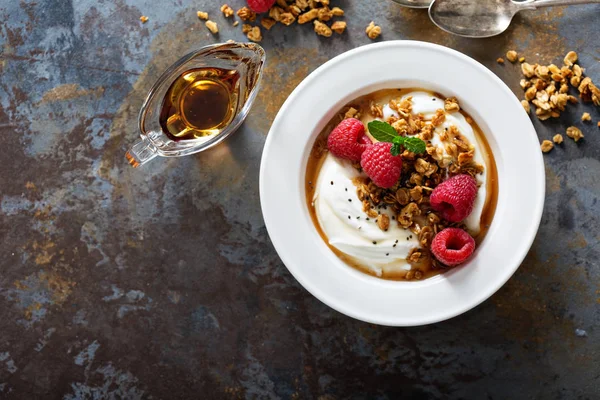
{"x": 414, "y": 3}
{"x": 485, "y": 18}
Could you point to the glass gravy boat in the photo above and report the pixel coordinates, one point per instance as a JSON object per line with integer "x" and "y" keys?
{"x": 179, "y": 116}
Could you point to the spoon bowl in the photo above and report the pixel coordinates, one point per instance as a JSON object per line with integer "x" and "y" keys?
{"x": 479, "y": 18}
{"x": 414, "y": 3}
{"x": 485, "y": 18}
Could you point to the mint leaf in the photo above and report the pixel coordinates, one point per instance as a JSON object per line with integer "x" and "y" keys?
{"x": 414, "y": 145}
{"x": 382, "y": 131}
{"x": 397, "y": 142}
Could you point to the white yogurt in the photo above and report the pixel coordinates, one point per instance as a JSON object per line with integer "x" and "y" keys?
{"x": 355, "y": 236}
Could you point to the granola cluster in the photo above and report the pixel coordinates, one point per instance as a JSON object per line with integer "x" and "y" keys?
{"x": 373, "y": 31}
{"x": 547, "y": 88}
{"x": 408, "y": 200}
{"x": 323, "y": 16}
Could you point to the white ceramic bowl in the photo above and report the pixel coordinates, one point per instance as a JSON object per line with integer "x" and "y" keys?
{"x": 389, "y": 65}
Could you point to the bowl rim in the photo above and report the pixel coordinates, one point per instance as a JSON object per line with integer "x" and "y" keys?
{"x": 535, "y": 162}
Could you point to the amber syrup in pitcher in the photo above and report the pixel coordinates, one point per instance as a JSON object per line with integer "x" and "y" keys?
{"x": 201, "y": 102}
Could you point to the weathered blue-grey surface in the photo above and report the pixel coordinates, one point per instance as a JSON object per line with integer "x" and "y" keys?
{"x": 162, "y": 283}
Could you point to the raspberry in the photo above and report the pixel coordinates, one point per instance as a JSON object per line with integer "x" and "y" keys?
{"x": 383, "y": 168}
{"x": 452, "y": 246}
{"x": 343, "y": 141}
{"x": 364, "y": 139}
{"x": 454, "y": 198}
{"x": 260, "y": 6}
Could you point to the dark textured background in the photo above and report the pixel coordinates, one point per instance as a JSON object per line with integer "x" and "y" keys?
{"x": 162, "y": 282}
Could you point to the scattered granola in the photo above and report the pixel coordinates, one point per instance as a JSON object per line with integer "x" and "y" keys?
{"x": 308, "y": 16}
{"x": 254, "y": 34}
{"x": 338, "y": 27}
{"x": 337, "y": 12}
{"x": 438, "y": 118}
{"x": 212, "y": 26}
{"x": 294, "y": 9}
{"x": 227, "y": 11}
{"x": 558, "y": 138}
{"x": 287, "y": 18}
{"x": 351, "y": 113}
{"x": 383, "y": 222}
{"x": 451, "y": 105}
{"x": 570, "y": 58}
{"x": 268, "y": 23}
{"x": 500, "y": 60}
{"x": 373, "y": 31}
{"x": 547, "y": 87}
{"x": 246, "y": 28}
{"x": 589, "y": 92}
{"x": 322, "y": 29}
{"x": 414, "y": 256}
{"x": 324, "y": 14}
{"x": 547, "y": 146}
{"x": 574, "y": 133}
{"x": 512, "y": 56}
{"x": 144, "y": 19}
{"x": 586, "y": 117}
{"x": 527, "y": 70}
{"x": 275, "y": 13}
{"x": 287, "y": 12}
{"x": 246, "y": 14}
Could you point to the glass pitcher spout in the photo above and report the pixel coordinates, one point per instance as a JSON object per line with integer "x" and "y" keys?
{"x": 141, "y": 152}
{"x": 176, "y": 120}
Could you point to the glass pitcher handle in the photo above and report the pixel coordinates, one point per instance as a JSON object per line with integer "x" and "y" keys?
{"x": 141, "y": 152}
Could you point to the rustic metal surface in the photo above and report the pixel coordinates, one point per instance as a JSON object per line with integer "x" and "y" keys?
{"x": 162, "y": 283}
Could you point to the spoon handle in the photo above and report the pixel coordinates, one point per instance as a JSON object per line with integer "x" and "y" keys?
{"x": 533, "y": 4}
